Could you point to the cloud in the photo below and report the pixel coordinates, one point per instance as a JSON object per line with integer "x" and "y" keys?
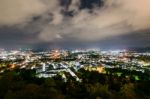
{"x": 114, "y": 18}
{"x": 14, "y": 12}
{"x": 19, "y": 11}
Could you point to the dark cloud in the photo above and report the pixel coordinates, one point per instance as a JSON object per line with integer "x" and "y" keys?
{"x": 74, "y": 23}
{"x": 89, "y": 4}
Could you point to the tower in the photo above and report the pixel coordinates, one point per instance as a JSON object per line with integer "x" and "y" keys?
{"x": 43, "y": 67}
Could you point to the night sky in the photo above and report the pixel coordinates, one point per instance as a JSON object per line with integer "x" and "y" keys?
{"x": 74, "y": 23}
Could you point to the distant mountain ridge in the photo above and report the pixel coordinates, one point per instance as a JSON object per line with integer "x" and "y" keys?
{"x": 140, "y": 49}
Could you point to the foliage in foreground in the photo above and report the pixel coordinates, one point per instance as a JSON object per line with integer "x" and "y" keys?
{"x": 22, "y": 84}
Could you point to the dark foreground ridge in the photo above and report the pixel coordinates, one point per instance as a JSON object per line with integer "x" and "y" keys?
{"x": 23, "y": 84}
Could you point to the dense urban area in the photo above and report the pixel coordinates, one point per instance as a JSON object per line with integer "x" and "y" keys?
{"x": 74, "y": 74}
